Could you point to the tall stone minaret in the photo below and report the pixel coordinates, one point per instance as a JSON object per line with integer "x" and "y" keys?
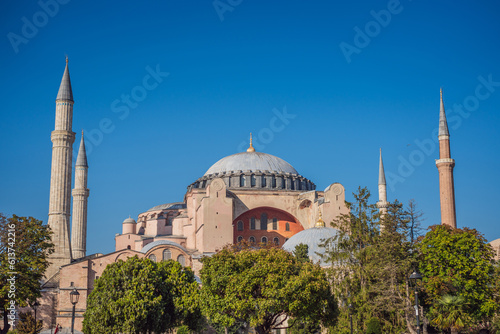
{"x": 445, "y": 166}
{"x": 80, "y": 195}
{"x": 382, "y": 203}
{"x": 60, "y": 176}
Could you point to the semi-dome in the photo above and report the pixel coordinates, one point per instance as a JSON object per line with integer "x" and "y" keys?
{"x": 251, "y": 161}
{"x": 312, "y": 237}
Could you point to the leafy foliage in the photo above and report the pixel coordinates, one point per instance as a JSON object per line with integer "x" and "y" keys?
{"x": 371, "y": 257}
{"x": 301, "y": 252}
{"x": 264, "y": 287}
{"x": 26, "y": 324}
{"x": 459, "y": 276}
{"x": 142, "y": 296}
{"x": 31, "y": 245}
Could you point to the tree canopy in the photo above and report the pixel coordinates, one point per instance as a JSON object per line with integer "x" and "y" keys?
{"x": 459, "y": 276}
{"x": 25, "y": 244}
{"x": 142, "y": 296}
{"x": 371, "y": 257}
{"x": 264, "y": 288}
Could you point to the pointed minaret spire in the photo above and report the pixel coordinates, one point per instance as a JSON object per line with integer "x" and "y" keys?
{"x": 251, "y": 148}
{"x": 443, "y": 124}
{"x": 382, "y": 188}
{"x": 445, "y": 165}
{"x": 80, "y": 196}
{"x": 81, "y": 159}
{"x": 65, "y": 92}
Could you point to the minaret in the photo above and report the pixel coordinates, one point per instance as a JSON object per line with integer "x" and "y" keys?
{"x": 382, "y": 188}
{"x": 445, "y": 166}
{"x": 80, "y": 195}
{"x": 60, "y": 176}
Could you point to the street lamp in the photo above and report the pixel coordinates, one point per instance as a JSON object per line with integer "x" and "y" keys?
{"x": 34, "y": 306}
{"x": 350, "y": 315}
{"x": 414, "y": 277}
{"x": 74, "y": 296}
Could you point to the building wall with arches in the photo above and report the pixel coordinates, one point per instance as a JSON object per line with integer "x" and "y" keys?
{"x": 277, "y": 226}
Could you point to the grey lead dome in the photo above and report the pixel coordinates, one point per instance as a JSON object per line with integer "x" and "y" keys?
{"x": 312, "y": 237}
{"x": 251, "y": 161}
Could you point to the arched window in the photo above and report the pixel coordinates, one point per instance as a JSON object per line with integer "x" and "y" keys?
{"x": 240, "y": 238}
{"x": 252, "y": 223}
{"x": 263, "y": 181}
{"x": 240, "y": 225}
{"x": 292, "y": 185}
{"x": 167, "y": 255}
{"x": 152, "y": 257}
{"x": 169, "y": 221}
{"x": 283, "y": 184}
{"x": 287, "y": 227}
{"x": 253, "y": 180}
{"x": 264, "y": 240}
{"x": 128, "y": 247}
{"x": 263, "y": 221}
{"x": 242, "y": 180}
{"x": 275, "y": 223}
{"x": 273, "y": 181}
{"x": 182, "y": 260}
{"x": 252, "y": 240}
{"x": 276, "y": 241}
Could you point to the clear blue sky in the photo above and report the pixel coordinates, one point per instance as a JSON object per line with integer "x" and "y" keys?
{"x": 351, "y": 84}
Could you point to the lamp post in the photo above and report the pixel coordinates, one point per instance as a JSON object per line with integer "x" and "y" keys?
{"x": 414, "y": 277}
{"x": 350, "y": 315}
{"x": 74, "y": 296}
{"x": 35, "y": 305}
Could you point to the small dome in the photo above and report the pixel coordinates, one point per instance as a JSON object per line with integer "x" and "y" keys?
{"x": 312, "y": 237}
{"x": 251, "y": 161}
{"x": 129, "y": 221}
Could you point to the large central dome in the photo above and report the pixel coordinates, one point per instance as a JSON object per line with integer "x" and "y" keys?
{"x": 253, "y": 162}
{"x": 254, "y": 170}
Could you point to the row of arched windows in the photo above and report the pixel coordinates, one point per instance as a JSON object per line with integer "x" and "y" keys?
{"x": 263, "y": 240}
{"x": 167, "y": 255}
{"x": 263, "y": 223}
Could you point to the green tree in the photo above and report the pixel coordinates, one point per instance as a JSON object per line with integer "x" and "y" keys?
{"x": 26, "y": 324}
{"x": 371, "y": 257}
{"x": 142, "y": 296}
{"x": 459, "y": 262}
{"x": 264, "y": 287}
{"x": 25, "y": 244}
{"x": 449, "y": 313}
{"x": 301, "y": 252}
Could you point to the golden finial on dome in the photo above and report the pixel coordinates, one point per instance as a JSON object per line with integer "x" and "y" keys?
{"x": 251, "y": 149}
{"x": 320, "y": 222}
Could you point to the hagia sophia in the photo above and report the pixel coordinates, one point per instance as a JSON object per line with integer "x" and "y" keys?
{"x": 251, "y": 196}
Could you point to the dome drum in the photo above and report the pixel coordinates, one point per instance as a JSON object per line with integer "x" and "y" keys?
{"x": 257, "y": 180}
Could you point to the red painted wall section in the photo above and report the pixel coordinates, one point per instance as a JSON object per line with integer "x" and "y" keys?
{"x": 279, "y": 235}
